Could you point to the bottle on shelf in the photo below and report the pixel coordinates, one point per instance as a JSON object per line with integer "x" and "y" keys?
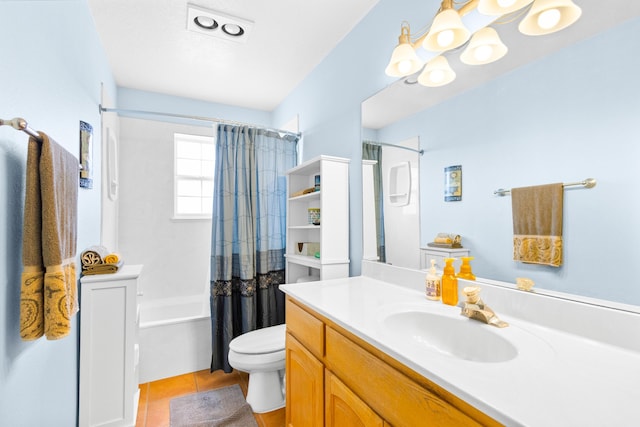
{"x": 449, "y": 283}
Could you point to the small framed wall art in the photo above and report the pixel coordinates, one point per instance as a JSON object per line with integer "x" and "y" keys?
{"x": 453, "y": 183}
{"x": 86, "y": 155}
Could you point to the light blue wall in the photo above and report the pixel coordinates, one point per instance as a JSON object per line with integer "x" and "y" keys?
{"x": 51, "y": 68}
{"x": 592, "y": 135}
{"x": 132, "y": 99}
{"x": 328, "y": 101}
{"x": 568, "y": 117}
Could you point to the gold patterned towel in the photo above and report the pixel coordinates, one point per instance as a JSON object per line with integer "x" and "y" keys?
{"x": 93, "y": 255}
{"x": 48, "y": 295}
{"x": 103, "y": 268}
{"x": 537, "y": 224}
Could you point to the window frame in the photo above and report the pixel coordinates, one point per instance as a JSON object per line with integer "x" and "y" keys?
{"x": 200, "y": 139}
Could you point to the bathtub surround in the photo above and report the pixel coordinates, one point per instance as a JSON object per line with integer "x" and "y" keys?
{"x": 247, "y": 233}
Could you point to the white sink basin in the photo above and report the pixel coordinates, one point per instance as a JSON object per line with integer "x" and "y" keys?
{"x": 459, "y": 337}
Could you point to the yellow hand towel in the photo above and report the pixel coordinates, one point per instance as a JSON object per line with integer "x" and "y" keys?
{"x": 112, "y": 258}
{"x": 537, "y": 224}
{"x": 48, "y": 288}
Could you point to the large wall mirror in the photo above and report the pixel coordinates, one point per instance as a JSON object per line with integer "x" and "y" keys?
{"x": 557, "y": 108}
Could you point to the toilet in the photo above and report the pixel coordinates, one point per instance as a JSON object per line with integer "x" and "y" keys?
{"x": 261, "y": 354}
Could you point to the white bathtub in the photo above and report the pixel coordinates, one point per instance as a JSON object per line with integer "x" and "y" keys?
{"x": 175, "y": 337}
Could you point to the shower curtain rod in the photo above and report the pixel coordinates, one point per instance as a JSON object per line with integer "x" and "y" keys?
{"x": 199, "y": 118}
{"x": 421, "y": 152}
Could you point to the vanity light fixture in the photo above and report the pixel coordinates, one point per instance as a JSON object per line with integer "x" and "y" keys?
{"x": 448, "y": 32}
{"x": 436, "y": 73}
{"x": 404, "y": 59}
{"x": 217, "y": 24}
{"x": 549, "y": 16}
{"x": 485, "y": 47}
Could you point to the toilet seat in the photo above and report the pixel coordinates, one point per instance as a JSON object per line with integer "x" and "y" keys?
{"x": 260, "y": 341}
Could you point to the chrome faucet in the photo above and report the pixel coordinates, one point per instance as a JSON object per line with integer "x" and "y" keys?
{"x": 474, "y": 308}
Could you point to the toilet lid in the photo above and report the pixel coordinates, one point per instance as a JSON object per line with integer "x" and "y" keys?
{"x": 260, "y": 341}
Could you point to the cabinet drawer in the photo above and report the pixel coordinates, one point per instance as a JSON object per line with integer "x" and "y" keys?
{"x": 391, "y": 394}
{"x": 308, "y": 329}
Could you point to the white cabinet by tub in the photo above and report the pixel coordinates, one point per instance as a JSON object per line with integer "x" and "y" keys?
{"x": 329, "y": 239}
{"x": 109, "y": 348}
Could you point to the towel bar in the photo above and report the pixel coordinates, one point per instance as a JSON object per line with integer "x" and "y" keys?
{"x": 19, "y": 123}
{"x": 587, "y": 183}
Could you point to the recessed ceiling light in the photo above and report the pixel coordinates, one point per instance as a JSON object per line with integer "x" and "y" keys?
{"x": 233, "y": 30}
{"x": 217, "y": 24}
{"x": 205, "y": 22}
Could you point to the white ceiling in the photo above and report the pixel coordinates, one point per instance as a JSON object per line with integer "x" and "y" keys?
{"x": 400, "y": 100}
{"x": 149, "y": 48}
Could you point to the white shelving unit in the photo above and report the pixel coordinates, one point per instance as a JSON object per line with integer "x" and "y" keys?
{"x": 109, "y": 316}
{"x": 333, "y": 232}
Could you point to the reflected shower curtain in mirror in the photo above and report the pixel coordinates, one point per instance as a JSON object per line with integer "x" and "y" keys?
{"x": 372, "y": 151}
{"x": 248, "y": 233}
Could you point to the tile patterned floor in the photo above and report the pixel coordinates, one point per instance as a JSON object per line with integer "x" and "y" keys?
{"x": 153, "y": 408}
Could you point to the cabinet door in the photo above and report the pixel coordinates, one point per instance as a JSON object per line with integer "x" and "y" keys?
{"x": 344, "y": 409}
{"x": 305, "y": 386}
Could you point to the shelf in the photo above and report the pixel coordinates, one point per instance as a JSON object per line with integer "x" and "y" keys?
{"x": 307, "y": 261}
{"x": 304, "y": 227}
{"x": 306, "y": 197}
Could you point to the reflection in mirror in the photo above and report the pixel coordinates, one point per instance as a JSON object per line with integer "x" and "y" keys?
{"x": 391, "y": 202}
{"x": 561, "y": 118}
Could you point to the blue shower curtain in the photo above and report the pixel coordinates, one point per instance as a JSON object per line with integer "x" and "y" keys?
{"x": 373, "y": 151}
{"x": 248, "y": 233}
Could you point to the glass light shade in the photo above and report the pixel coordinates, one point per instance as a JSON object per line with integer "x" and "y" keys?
{"x": 501, "y": 7}
{"x": 447, "y": 32}
{"x": 485, "y": 47}
{"x": 404, "y": 61}
{"x": 437, "y": 73}
{"x": 540, "y": 19}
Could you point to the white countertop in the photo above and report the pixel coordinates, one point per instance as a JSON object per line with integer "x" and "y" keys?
{"x": 557, "y": 378}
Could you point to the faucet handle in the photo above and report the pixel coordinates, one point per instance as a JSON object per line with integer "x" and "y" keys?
{"x": 472, "y": 293}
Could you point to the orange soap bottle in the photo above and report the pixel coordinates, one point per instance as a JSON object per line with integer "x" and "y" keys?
{"x": 465, "y": 269}
{"x": 449, "y": 283}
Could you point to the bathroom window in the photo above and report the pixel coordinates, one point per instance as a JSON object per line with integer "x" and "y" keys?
{"x": 193, "y": 172}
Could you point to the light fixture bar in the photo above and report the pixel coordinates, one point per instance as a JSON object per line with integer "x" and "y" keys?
{"x": 462, "y": 11}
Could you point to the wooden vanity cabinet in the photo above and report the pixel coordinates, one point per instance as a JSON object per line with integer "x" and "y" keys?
{"x": 336, "y": 379}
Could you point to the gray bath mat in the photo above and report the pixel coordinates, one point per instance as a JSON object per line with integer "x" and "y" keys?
{"x": 223, "y": 407}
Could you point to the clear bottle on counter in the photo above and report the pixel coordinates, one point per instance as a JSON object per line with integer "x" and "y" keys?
{"x": 432, "y": 283}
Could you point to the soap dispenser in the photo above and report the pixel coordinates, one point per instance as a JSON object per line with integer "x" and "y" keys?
{"x": 465, "y": 269}
{"x": 432, "y": 283}
{"x": 449, "y": 283}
